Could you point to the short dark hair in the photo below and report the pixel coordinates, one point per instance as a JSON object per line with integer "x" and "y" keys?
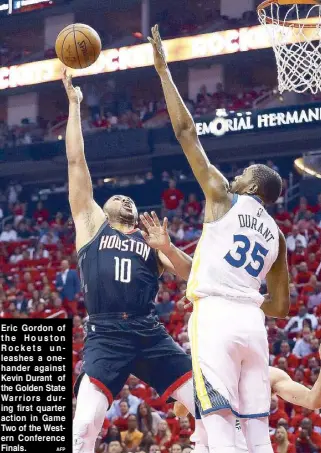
{"x": 268, "y": 181}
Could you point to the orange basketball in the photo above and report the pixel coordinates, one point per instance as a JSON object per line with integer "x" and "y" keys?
{"x": 78, "y": 46}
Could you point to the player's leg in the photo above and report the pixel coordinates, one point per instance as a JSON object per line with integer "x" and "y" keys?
{"x": 108, "y": 356}
{"x": 91, "y": 408}
{"x": 199, "y": 437}
{"x": 256, "y": 432}
{"x": 255, "y": 393}
{"x": 216, "y": 370}
{"x": 220, "y": 428}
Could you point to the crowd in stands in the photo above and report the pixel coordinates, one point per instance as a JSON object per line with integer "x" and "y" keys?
{"x": 38, "y": 279}
{"x": 109, "y": 113}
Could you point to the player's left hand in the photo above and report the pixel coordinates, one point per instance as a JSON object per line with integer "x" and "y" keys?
{"x": 157, "y": 236}
{"x": 159, "y": 52}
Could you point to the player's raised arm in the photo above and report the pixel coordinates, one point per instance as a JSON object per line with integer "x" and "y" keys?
{"x": 171, "y": 258}
{"x": 211, "y": 180}
{"x": 277, "y": 302}
{"x": 87, "y": 215}
{"x": 293, "y": 392}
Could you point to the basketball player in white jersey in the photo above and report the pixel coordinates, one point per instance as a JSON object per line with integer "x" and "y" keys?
{"x": 281, "y": 385}
{"x": 240, "y": 246}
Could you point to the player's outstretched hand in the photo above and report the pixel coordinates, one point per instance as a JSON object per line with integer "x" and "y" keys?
{"x": 74, "y": 93}
{"x": 156, "y": 236}
{"x": 159, "y": 52}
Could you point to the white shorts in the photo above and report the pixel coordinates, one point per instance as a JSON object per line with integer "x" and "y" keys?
{"x": 230, "y": 358}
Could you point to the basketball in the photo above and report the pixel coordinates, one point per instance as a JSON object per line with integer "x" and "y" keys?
{"x": 78, "y": 46}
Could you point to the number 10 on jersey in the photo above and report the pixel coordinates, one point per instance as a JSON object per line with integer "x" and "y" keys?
{"x": 123, "y": 269}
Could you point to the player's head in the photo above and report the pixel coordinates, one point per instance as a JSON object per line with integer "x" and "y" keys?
{"x": 259, "y": 180}
{"x": 121, "y": 209}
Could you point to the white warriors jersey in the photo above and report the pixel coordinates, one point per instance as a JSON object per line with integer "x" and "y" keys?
{"x": 235, "y": 253}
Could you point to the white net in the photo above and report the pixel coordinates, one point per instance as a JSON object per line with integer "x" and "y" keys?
{"x": 295, "y": 32}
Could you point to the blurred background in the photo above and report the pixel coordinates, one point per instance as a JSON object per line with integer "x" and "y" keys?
{"x": 225, "y": 70}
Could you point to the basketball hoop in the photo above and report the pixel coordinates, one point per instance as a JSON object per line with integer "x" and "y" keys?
{"x": 294, "y": 27}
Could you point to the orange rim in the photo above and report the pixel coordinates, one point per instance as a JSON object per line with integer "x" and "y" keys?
{"x": 286, "y": 23}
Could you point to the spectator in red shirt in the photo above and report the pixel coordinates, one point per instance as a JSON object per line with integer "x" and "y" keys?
{"x": 307, "y": 413}
{"x": 307, "y": 441}
{"x": 137, "y": 388}
{"x": 282, "y": 364}
{"x": 41, "y": 214}
{"x": 303, "y": 276}
{"x": 163, "y": 436}
{"x": 285, "y": 351}
{"x": 299, "y": 254}
{"x": 281, "y": 215}
{"x": 77, "y": 325}
{"x": 172, "y": 200}
{"x": 282, "y": 444}
{"x": 193, "y": 207}
{"x": 275, "y": 412}
{"x": 121, "y": 422}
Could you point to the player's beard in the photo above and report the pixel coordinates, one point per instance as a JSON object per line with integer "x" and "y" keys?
{"x": 127, "y": 217}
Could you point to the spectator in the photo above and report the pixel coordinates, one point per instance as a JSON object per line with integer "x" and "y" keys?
{"x": 41, "y": 214}
{"x": 115, "y": 447}
{"x": 16, "y": 256}
{"x": 176, "y": 448}
{"x": 307, "y": 441}
{"x": 21, "y": 302}
{"x": 125, "y": 395}
{"x": 23, "y": 231}
{"x": 172, "y": 200}
{"x": 132, "y": 437}
{"x": 315, "y": 344}
{"x": 282, "y": 444}
{"x": 275, "y": 412}
{"x": 8, "y": 234}
{"x": 122, "y": 421}
{"x": 292, "y": 239}
{"x": 154, "y": 448}
{"x": 295, "y": 324}
{"x": 137, "y": 388}
{"x": 147, "y": 441}
{"x": 112, "y": 434}
{"x": 147, "y": 420}
{"x": 303, "y": 275}
{"x": 314, "y": 299}
{"x": 303, "y": 346}
{"x": 68, "y": 285}
{"x": 163, "y": 436}
{"x": 193, "y": 207}
{"x": 164, "y": 306}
